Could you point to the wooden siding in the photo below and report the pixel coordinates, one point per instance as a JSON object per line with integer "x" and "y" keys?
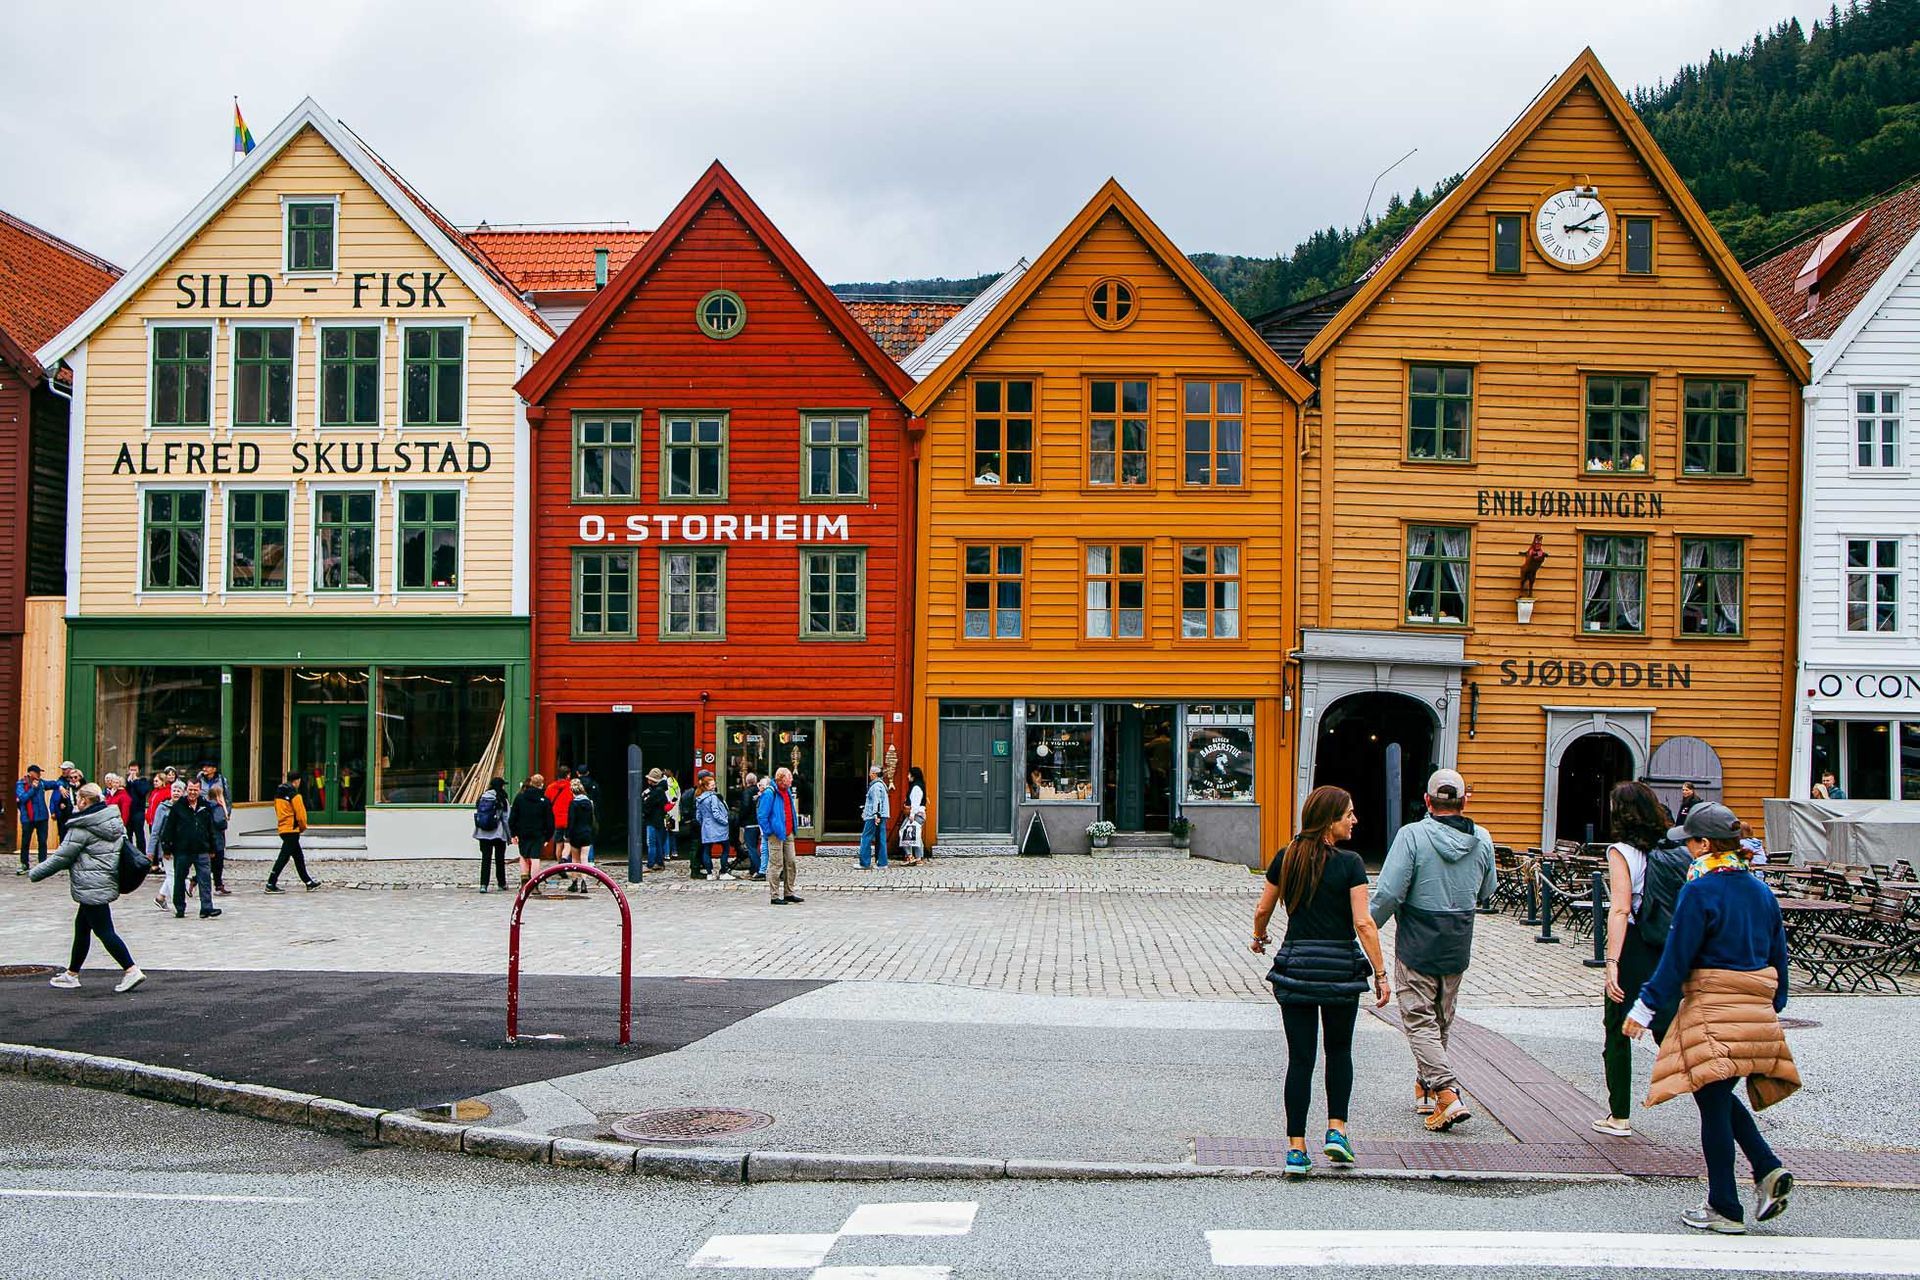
{"x": 1532, "y": 339}
{"x": 43, "y": 683}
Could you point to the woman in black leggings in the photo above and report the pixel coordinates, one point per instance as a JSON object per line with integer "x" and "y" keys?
{"x": 1321, "y": 970}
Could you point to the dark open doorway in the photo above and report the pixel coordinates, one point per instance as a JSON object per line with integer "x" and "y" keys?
{"x": 1592, "y": 766}
{"x": 600, "y": 743}
{"x": 849, "y": 752}
{"x": 1137, "y": 774}
{"x": 1379, "y": 747}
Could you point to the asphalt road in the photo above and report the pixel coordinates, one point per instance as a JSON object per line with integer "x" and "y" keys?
{"x": 93, "y": 1185}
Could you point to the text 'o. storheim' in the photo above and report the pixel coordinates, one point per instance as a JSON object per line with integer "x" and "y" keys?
{"x": 690, "y": 526}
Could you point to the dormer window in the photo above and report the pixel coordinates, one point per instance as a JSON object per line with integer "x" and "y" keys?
{"x": 310, "y": 234}
{"x": 721, "y": 314}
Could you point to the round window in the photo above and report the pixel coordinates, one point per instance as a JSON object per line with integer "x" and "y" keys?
{"x": 1110, "y": 303}
{"x": 721, "y": 314}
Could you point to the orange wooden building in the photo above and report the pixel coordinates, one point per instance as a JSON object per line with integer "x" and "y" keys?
{"x": 1561, "y": 355}
{"x": 1106, "y": 568}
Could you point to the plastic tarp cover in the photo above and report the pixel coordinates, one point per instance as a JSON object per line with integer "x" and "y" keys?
{"x": 1862, "y": 832}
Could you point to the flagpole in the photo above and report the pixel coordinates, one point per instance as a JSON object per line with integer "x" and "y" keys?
{"x": 233, "y": 153}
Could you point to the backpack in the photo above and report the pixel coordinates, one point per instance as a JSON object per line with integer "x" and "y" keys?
{"x": 134, "y": 866}
{"x": 486, "y": 814}
{"x": 1667, "y": 865}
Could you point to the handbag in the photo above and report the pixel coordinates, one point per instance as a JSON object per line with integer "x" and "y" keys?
{"x": 134, "y": 866}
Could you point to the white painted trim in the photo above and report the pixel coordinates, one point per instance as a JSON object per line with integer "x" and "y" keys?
{"x": 458, "y": 594}
{"x": 320, "y": 326}
{"x": 314, "y": 590}
{"x": 212, "y": 325}
{"x": 233, "y": 374}
{"x": 76, "y": 473}
{"x": 141, "y": 592}
{"x": 522, "y": 501}
{"x": 331, "y": 275}
{"x": 226, "y": 534}
{"x": 1835, "y": 346}
{"x": 1852, "y": 418}
{"x": 401, "y": 325}
{"x": 307, "y": 114}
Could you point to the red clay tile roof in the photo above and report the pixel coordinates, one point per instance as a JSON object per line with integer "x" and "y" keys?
{"x": 1891, "y": 223}
{"x": 899, "y": 325}
{"x": 44, "y": 282}
{"x": 555, "y": 261}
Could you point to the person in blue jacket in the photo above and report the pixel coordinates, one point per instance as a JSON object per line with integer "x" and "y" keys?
{"x": 777, "y": 824}
{"x": 36, "y": 799}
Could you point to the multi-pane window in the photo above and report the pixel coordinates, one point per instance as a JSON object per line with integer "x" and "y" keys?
{"x": 834, "y": 455}
{"x": 262, "y": 376}
{"x": 1714, "y": 431}
{"x": 350, "y": 376}
{"x": 693, "y": 594}
{"x": 1117, "y": 431}
{"x": 602, "y": 594}
{"x": 1616, "y": 424}
{"x": 310, "y": 235}
{"x": 693, "y": 456}
{"x": 1876, "y": 428}
{"x": 606, "y": 457}
{"x": 1873, "y": 585}
{"x": 1439, "y": 411}
{"x": 1507, "y": 243}
{"x": 1639, "y": 239}
{"x": 343, "y": 540}
{"x": 1437, "y": 573}
{"x": 1614, "y": 584}
{"x": 833, "y": 586}
{"x": 182, "y": 376}
{"x": 721, "y": 314}
{"x": 1711, "y": 586}
{"x": 1210, "y": 592}
{"x": 176, "y": 538}
{"x": 257, "y": 540}
{"x": 993, "y": 590}
{"x": 1110, "y": 302}
{"x": 1003, "y": 431}
{"x": 435, "y": 360}
{"x": 1214, "y": 432}
{"x": 1116, "y": 591}
{"x": 429, "y": 539}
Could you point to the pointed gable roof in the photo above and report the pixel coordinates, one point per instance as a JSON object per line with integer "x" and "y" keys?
{"x": 1111, "y": 198}
{"x": 1585, "y": 69}
{"x": 715, "y": 182}
{"x": 44, "y": 283}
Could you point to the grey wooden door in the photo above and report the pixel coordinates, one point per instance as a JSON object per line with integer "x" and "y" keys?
{"x": 976, "y": 777}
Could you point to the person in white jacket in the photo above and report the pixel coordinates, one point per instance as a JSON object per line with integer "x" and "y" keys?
{"x": 873, "y": 818}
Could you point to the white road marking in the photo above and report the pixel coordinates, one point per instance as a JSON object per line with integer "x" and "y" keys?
{"x": 882, "y": 1273}
{"x": 1778, "y": 1255}
{"x": 768, "y": 1252}
{"x": 919, "y": 1218}
{"x": 37, "y": 1193}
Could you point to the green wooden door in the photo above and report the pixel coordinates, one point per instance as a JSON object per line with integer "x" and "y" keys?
{"x": 330, "y": 749}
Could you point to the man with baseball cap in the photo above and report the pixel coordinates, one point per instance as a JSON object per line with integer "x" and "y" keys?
{"x": 1437, "y": 872}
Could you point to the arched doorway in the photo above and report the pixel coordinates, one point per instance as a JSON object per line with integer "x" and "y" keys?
{"x": 1379, "y": 746}
{"x": 1590, "y": 768}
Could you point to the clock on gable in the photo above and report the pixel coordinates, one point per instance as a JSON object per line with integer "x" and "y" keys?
{"x": 1572, "y": 229}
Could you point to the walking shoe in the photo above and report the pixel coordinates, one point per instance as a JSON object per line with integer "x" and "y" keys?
{"x": 776, "y": 902}
{"x": 65, "y": 981}
{"x": 1448, "y": 1111}
{"x": 210, "y": 913}
{"x": 758, "y": 876}
{"x": 223, "y": 891}
{"x": 726, "y": 875}
{"x": 1615, "y": 1128}
{"x": 1299, "y": 1163}
{"x": 1704, "y": 1217}
{"x": 179, "y": 915}
{"x": 1422, "y": 1100}
{"x": 20, "y": 870}
{"x": 1773, "y": 1190}
{"x": 131, "y": 979}
{"x": 1337, "y": 1148}
{"x": 794, "y": 897}
{"x": 312, "y": 885}
{"x": 274, "y": 888}
{"x": 160, "y": 900}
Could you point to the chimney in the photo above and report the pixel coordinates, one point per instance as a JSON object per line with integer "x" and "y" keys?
{"x": 600, "y": 268}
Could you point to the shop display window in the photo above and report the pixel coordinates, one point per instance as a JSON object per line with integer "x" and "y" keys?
{"x": 156, "y": 716}
{"x": 760, "y": 747}
{"x": 1220, "y": 752}
{"x": 442, "y": 733}
{"x": 1059, "y": 751}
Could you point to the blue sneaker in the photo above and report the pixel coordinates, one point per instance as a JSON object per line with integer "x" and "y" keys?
{"x": 1299, "y": 1164}
{"x": 1337, "y": 1148}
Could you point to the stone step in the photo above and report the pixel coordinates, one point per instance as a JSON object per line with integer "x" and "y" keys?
{"x": 320, "y": 842}
{"x": 1142, "y": 853}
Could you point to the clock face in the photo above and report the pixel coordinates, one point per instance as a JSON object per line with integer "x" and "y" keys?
{"x": 1572, "y": 229}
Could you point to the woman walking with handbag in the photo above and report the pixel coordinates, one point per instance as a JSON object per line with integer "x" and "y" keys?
{"x": 1639, "y": 826}
{"x": 90, "y": 855}
{"x": 1322, "y": 966}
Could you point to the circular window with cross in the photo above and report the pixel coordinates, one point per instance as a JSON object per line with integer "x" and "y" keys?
{"x": 721, "y": 314}
{"x": 1110, "y": 303}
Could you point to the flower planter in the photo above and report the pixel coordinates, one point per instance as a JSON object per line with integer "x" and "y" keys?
{"x": 1523, "y": 609}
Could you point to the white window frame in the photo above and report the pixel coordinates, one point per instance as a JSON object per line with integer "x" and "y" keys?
{"x": 286, "y": 241}
{"x": 465, "y": 326}
{"x": 227, "y": 491}
{"x": 1900, "y": 620}
{"x": 314, "y": 589}
{"x": 233, "y": 374}
{"x": 320, "y": 328}
{"x": 459, "y": 594}
{"x": 213, "y": 326}
{"x": 141, "y": 592}
{"x": 1854, "y": 392}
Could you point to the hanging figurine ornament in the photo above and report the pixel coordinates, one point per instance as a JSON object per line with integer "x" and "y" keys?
{"x": 1536, "y": 555}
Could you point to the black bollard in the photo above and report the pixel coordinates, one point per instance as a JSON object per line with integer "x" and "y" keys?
{"x": 1547, "y": 890}
{"x": 1599, "y": 960}
{"x": 1532, "y": 917}
{"x": 636, "y": 781}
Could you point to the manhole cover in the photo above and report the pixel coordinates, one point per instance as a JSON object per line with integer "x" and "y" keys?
{"x": 1794, "y": 1024}
{"x": 688, "y": 1124}
{"x": 27, "y": 970}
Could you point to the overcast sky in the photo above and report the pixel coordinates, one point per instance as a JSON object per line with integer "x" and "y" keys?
{"x": 887, "y": 139}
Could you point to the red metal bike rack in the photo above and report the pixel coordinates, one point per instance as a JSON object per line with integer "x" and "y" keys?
{"x": 626, "y": 947}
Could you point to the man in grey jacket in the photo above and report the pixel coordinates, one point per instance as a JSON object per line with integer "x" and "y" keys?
{"x": 1437, "y": 872}
{"x": 873, "y": 820}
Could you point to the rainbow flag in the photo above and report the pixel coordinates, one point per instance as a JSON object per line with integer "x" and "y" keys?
{"x": 242, "y": 136}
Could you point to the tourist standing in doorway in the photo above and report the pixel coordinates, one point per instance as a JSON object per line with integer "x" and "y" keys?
{"x": 777, "y": 824}
{"x": 290, "y": 821}
{"x": 913, "y": 826}
{"x": 747, "y": 817}
{"x": 139, "y": 789}
{"x": 33, "y": 797}
{"x": 710, "y": 811}
{"x": 874, "y": 813}
{"x": 580, "y": 831}
{"x": 162, "y": 791}
{"x": 559, "y": 798}
{"x": 1331, "y": 949}
{"x": 1641, "y": 860}
{"x": 1437, "y": 872}
{"x": 530, "y": 824}
{"x": 187, "y": 838}
{"x": 680, "y": 823}
{"x": 1688, "y": 798}
{"x": 490, "y": 829}
{"x": 90, "y": 855}
{"x": 653, "y": 818}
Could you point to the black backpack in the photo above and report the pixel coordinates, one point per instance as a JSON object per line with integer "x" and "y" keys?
{"x": 1667, "y": 865}
{"x": 134, "y": 866}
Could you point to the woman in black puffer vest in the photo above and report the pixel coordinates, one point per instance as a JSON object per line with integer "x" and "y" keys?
{"x": 1321, "y": 968}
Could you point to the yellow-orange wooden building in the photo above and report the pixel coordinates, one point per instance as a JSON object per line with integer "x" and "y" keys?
{"x": 1106, "y": 569}
{"x": 1562, "y": 349}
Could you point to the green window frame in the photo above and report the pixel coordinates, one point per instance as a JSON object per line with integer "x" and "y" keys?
{"x": 1439, "y": 413}
{"x": 1616, "y": 427}
{"x": 993, "y": 589}
{"x": 310, "y": 235}
{"x": 1118, "y": 417}
{"x": 1003, "y": 432}
{"x": 693, "y": 593}
{"x": 175, "y": 540}
{"x": 721, "y": 314}
{"x": 1712, "y": 587}
{"x": 429, "y": 532}
{"x": 1614, "y": 584}
{"x": 833, "y": 593}
{"x": 350, "y": 375}
{"x": 603, "y": 595}
{"x": 257, "y": 527}
{"x": 433, "y": 375}
{"x": 263, "y": 375}
{"x": 1215, "y": 438}
{"x": 1713, "y": 439}
{"x": 693, "y": 455}
{"x": 1509, "y": 244}
{"x": 1638, "y": 234}
{"x": 182, "y": 394}
{"x": 833, "y": 457}
{"x": 1210, "y": 591}
{"x": 344, "y": 523}
{"x": 606, "y": 457}
{"x": 1439, "y": 575}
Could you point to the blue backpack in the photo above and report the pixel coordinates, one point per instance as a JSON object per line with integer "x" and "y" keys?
{"x": 486, "y": 814}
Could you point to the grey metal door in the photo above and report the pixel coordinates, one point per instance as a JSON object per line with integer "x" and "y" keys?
{"x": 976, "y": 776}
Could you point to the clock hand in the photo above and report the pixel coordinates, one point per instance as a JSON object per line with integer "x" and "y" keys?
{"x": 1581, "y": 226}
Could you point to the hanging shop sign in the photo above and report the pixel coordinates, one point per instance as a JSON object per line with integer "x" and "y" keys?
{"x": 1583, "y": 504}
{"x": 304, "y": 457}
{"x": 1577, "y": 674}
{"x": 724, "y": 526}
{"x": 1901, "y": 685}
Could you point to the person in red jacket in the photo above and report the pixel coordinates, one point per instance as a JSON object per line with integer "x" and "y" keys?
{"x": 162, "y": 792}
{"x": 120, "y": 798}
{"x": 560, "y": 796}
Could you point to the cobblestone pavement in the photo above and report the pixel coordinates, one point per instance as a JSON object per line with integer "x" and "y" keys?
{"x": 1172, "y": 930}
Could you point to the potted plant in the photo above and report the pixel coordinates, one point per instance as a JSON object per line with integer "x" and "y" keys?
{"x": 1181, "y": 829}
{"x": 1101, "y": 833}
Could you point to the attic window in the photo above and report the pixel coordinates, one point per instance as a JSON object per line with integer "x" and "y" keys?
{"x": 1828, "y": 255}
{"x": 1110, "y": 303}
{"x": 721, "y": 314}
{"x": 309, "y": 234}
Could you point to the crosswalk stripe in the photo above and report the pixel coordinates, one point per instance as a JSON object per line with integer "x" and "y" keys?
{"x": 882, "y": 1273}
{"x": 769, "y": 1252}
{"x": 1782, "y": 1255}
{"x": 913, "y": 1218}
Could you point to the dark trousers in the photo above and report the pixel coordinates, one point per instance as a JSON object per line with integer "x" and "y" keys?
{"x": 497, "y": 851}
{"x": 1305, "y": 1025}
{"x": 92, "y": 922}
{"x": 28, "y": 830}
{"x": 202, "y": 866}
{"x": 219, "y": 868}
{"x": 1638, "y": 960}
{"x": 289, "y": 849}
{"x": 1724, "y": 1123}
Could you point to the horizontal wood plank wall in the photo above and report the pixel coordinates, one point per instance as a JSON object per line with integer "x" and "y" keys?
{"x": 1532, "y": 340}
{"x": 246, "y": 237}
{"x": 43, "y": 682}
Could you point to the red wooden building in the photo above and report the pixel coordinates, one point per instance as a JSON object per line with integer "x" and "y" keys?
{"x": 722, "y": 503}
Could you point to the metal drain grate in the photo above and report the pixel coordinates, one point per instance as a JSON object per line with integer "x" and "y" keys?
{"x": 1796, "y": 1024}
{"x": 688, "y": 1124}
{"x": 27, "y": 970}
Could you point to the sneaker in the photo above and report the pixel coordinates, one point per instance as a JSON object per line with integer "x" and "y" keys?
{"x": 1448, "y": 1111}
{"x": 160, "y": 900}
{"x": 1299, "y": 1163}
{"x": 1337, "y": 1148}
{"x": 210, "y": 913}
{"x": 64, "y": 980}
{"x": 1771, "y": 1200}
{"x": 1612, "y": 1127}
{"x": 726, "y": 875}
{"x": 312, "y": 885}
{"x": 20, "y": 870}
{"x": 759, "y": 876}
{"x": 131, "y": 979}
{"x": 274, "y": 888}
{"x": 1704, "y": 1217}
{"x": 1422, "y": 1101}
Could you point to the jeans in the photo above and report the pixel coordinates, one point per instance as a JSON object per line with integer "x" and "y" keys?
{"x": 496, "y": 850}
{"x": 873, "y": 835}
{"x": 202, "y": 867}
{"x": 28, "y": 830}
{"x": 88, "y": 923}
{"x": 290, "y": 849}
{"x": 755, "y": 848}
{"x": 1637, "y": 963}
{"x": 658, "y": 846}
{"x": 1725, "y": 1121}
{"x": 1304, "y": 1025}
